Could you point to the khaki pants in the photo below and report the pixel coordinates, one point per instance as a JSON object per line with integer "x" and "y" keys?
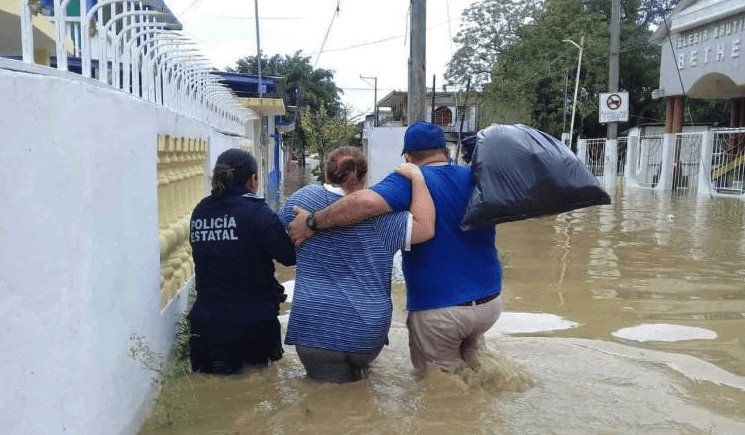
{"x": 450, "y": 336}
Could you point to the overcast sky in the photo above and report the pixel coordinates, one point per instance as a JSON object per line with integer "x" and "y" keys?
{"x": 227, "y": 31}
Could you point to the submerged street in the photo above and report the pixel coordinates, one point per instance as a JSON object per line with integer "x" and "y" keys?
{"x": 627, "y": 316}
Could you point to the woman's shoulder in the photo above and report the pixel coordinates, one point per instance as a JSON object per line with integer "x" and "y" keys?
{"x": 308, "y": 192}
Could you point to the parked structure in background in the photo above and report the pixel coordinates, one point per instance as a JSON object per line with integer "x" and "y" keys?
{"x": 111, "y": 121}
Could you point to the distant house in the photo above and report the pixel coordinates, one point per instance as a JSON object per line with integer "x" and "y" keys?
{"x": 449, "y": 109}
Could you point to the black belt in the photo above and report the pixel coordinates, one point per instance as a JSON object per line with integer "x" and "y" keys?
{"x": 479, "y": 301}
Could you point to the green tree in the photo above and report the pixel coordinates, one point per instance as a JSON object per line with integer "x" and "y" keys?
{"x": 488, "y": 27}
{"x": 324, "y": 132}
{"x": 518, "y": 45}
{"x": 530, "y": 77}
{"x": 305, "y": 87}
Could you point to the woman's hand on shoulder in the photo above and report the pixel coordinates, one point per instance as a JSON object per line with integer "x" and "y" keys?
{"x": 409, "y": 170}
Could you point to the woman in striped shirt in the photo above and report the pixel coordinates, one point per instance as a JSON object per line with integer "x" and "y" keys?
{"x": 341, "y": 309}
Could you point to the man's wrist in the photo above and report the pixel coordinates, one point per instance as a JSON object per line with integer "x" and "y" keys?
{"x": 310, "y": 221}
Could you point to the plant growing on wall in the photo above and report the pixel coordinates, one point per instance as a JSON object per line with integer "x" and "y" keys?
{"x": 166, "y": 377}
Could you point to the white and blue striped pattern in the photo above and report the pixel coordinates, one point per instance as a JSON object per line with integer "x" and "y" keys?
{"x": 342, "y": 298}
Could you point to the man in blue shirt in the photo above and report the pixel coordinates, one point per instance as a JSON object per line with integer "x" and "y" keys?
{"x": 453, "y": 281}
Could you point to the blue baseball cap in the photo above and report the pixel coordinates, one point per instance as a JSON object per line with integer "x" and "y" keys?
{"x": 423, "y": 135}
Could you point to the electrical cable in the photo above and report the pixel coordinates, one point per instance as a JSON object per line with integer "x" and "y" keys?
{"x": 450, "y": 31}
{"x": 326, "y": 37}
{"x": 190, "y": 7}
{"x": 375, "y": 42}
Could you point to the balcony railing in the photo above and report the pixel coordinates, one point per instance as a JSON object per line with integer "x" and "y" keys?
{"x": 132, "y": 46}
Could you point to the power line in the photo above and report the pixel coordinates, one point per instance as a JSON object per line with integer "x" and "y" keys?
{"x": 226, "y": 17}
{"x": 375, "y": 42}
{"x": 191, "y": 6}
{"x": 326, "y": 37}
{"x": 450, "y": 31}
{"x": 365, "y": 89}
{"x": 363, "y": 44}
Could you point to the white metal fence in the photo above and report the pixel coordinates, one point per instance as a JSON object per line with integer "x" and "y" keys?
{"x": 133, "y": 46}
{"x": 649, "y": 162}
{"x": 622, "y": 154}
{"x": 728, "y": 161}
{"x": 699, "y": 162}
{"x": 595, "y": 157}
{"x": 687, "y": 161}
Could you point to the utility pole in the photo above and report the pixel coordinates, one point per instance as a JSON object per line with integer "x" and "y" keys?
{"x": 615, "y": 42}
{"x": 376, "y": 122}
{"x": 576, "y": 84}
{"x": 566, "y": 84}
{"x": 258, "y": 46}
{"x": 375, "y": 103}
{"x": 417, "y": 62}
{"x": 432, "y": 113}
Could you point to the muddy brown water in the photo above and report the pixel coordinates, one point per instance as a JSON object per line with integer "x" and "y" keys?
{"x": 621, "y": 318}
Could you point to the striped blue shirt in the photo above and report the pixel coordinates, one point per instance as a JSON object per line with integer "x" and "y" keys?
{"x": 342, "y": 298}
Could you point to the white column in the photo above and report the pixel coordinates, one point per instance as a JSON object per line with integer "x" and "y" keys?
{"x": 27, "y": 33}
{"x": 632, "y": 150}
{"x": 158, "y": 96}
{"x": 582, "y": 151}
{"x": 665, "y": 181}
{"x": 60, "y": 24}
{"x": 643, "y": 163}
{"x": 704, "y": 167}
{"x": 610, "y": 165}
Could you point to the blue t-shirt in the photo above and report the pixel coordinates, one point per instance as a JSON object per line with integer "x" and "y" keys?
{"x": 454, "y": 266}
{"x": 342, "y": 298}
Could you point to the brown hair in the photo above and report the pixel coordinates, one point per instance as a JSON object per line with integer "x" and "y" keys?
{"x": 346, "y": 167}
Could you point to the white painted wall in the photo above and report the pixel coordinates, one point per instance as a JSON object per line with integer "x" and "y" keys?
{"x": 79, "y": 253}
{"x": 384, "y": 147}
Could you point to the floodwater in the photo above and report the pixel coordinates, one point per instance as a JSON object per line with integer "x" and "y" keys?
{"x": 621, "y": 318}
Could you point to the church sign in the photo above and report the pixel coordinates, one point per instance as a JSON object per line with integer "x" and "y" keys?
{"x": 717, "y": 47}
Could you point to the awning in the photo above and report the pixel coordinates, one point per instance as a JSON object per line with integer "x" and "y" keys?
{"x": 265, "y": 106}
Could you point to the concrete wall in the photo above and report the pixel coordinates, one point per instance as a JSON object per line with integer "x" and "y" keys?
{"x": 79, "y": 252}
{"x": 384, "y": 145}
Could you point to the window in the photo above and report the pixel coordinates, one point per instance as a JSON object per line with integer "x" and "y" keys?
{"x": 443, "y": 116}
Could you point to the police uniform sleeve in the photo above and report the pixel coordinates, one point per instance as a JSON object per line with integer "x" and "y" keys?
{"x": 273, "y": 238}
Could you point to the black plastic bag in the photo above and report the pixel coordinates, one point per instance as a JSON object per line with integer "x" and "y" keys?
{"x": 519, "y": 173}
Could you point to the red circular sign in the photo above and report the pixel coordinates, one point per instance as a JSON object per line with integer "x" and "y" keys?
{"x": 614, "y": 101}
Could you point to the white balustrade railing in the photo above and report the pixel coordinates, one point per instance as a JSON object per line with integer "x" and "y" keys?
{"x": 139, "y": 50}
